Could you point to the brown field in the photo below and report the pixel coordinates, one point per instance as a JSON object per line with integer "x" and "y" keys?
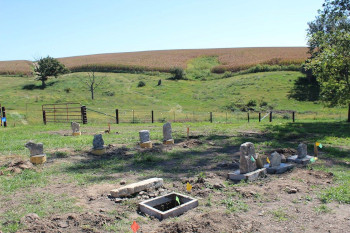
{"x": 232, "y": 59}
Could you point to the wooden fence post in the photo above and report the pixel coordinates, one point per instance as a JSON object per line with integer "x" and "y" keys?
{"x": 152, "y": 116}
{"x": 271, "y": 116}
{"x": 259, "y": 116}
{"x": 293, "y": 116}
{"x": 117, "y": 116}
{"x": 248, "y": 116}
{"x": 44, "y": 117}
{"x": 211, "y": 117}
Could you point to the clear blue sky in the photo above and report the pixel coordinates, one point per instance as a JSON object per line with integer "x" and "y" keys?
{"x": 31, "y": 29}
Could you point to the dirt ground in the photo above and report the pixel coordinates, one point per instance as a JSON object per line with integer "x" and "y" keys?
{"x": 276, "y": 203}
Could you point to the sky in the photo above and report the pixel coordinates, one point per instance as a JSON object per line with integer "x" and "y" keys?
{"x": 31, "y": 29}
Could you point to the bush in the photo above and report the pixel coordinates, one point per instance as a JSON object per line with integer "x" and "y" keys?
{"x": 109, "y": 93}
{"x": 178, "y": 74}
{"x": 251, "y": 103}
{"x": 263, "y": 104}
{"x": 68, "y": 89}
{"x": 141, "y": 84}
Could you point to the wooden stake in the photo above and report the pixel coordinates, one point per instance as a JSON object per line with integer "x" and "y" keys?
{"x": 315, "y": 150}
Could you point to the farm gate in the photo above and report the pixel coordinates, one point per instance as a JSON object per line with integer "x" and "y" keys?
{"x": 65, "y": 112}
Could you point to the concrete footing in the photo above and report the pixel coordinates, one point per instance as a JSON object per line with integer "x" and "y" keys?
{"x": 168, "y": 142}
{"x": 282, "y": 168}
{"x": 98, "y": 151}
{"x": 146, "y": 144}
{"x": 237, "y": 176}
{"x": 38, "y": 159}
{"x": 137, "y": 187}
{"x": 294, "y": 159}
{"x": 76, "y": 134}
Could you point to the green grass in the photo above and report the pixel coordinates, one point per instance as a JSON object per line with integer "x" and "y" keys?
{"x": 235, "y": 205}
{"x": 322, "y": 209}
{"x": 279, "y": 214}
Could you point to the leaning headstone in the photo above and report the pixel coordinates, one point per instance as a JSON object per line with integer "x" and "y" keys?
{"x": 167, "y": 137}
{"x": 98, "y": 147}
{"x": 275, "y": 159}
{"x": 301, "y": 157}
{"x": 37, "y": 155}
{"x": 145, "y": 141}
{"x": 248, "y": 165}
{"x": 75, "y": 128}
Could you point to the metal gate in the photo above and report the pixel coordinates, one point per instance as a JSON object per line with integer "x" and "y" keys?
{"x": 62, "y": 113}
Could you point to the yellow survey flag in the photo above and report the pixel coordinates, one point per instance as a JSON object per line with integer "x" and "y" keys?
{"x": 317, "y": 143}
{"x": 267, "y": 159}
{"x": 188, "y": 187}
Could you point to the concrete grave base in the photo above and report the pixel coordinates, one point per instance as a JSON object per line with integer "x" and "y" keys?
{"x": 38, "y": 159}
{"x": 186, "y": 203}
{"x": 146, "y": 144}
{"x": 98, "y": 151}
{"x": 168, "y": 142}
{"x": 76, "y": 134}
{"x": 282, "y": 168}
{"x": 137, "y": 187}
{"x": 237, "y": 176}
{"x": 303, "y": 161}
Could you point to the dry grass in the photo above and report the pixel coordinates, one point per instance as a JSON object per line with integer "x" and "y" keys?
{"x": 232, "y": 59}
{"x": 17, "y": 67}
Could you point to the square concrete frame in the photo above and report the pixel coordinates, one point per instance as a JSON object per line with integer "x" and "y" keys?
{"x": 250, "y": 176}
{"x": 147, "y": 206}
{"x": 282, "y": 168}
{"x": 302, "y": 161}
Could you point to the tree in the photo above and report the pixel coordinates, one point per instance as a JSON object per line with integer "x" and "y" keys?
{"x": 48, "y": 66}
{"x": 329, "y": 41}
{"x": 93, "y": 82}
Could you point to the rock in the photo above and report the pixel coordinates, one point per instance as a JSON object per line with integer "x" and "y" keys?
{"x": 98, "y": 142}
{"x": 275, "y": 159}
{"x": 259, "y": 163}
{"x": 302, "y": 151}
{"x": 159, "y": 82}
{"x": 161, "y": 190}
{"x": 137, "y": 187}
{"x": 1, "y": 173}
{"x": 144, "y": 136}
{"x": 118, "y": 200}
{"x": 29, "y": 218}
{"x": 283, "y": 158}
{"x": 35, "y": 148}
{"x": 167, "y": 132}
{"x": 145, "y": 196}
{"x": 218, "y": 186}
{"x": 122, "y": 182}
{"x": 247, "y": 152}
{"x": 63, "y": 224}
{"x": 75, "y": 127}
{"x": 16, "y": 170}
{"x": 142, "y": 192}
{"x": 290, "y": 190}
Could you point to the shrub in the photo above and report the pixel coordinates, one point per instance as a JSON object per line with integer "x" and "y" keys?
{"x": 263, "y": 104}
{"x": 251, "y": 103}
{"x": 178, "y": 74}
{"x": 141, "y": 84}
{"x": 68, "y": 89}
{"x": 109, "y": 93}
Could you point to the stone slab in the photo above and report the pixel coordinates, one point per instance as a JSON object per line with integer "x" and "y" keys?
{"x": 146, "y": 144}
{"x": 187, "y": 203}
{"x": 38, "y": 159}
{"x": 250, "y": 176}
{"x": 137, "y": 187}
{"x": 98, "y": 151}
{"x": 282, "y": 168}
{"x": 168, "y": 142}
{"x": 294, "y": 159}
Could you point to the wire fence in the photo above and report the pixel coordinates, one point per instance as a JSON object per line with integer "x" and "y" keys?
{"x": 32, "y": 114}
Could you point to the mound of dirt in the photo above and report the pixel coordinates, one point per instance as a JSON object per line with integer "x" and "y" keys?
{"x": 87, "y": 222}
{"x": 210, "y": 223}
{"x": 190, "y": 143}
{"x": 19, "y": 166}
{"x": 285, "y": 151}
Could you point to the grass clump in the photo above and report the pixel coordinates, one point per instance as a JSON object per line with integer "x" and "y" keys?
{"x": 279, "y": 214}
{"x": 322, "y": 209}
{"x": 141, "y": 84}
{"x": 235, "y": 205}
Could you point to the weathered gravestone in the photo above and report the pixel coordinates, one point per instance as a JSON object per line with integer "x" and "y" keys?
{"x": 276, "y": 166}
{"x": 75, "y": 128}
{"x": 37, "y": 155}
{"x": 301, "y": 157}
{"x": 167, "y": 137}
{"x": 247, "y": 167}
{"x": 98, "y": 145}
{"x": 145, "y": 141}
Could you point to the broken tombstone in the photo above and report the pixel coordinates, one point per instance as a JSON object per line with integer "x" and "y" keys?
{"x": 247, "y": 165}
{"x": 37, "y": 155}
{"x": 301, "y": 157}
{"x": 131, "y": 189}
{"x": 98, "y": 145}
{"x": 167, "y": 137}
{"x": 145, "y": 141}
{"x": 276, "y": 166}
{"x": 75, "y": 128}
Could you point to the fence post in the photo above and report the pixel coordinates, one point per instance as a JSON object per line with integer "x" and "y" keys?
{"x": 152, "y": 116}
{"x": 44, "y": 117}
{"x": 293, "y": 116}
{"x": 117, "y": 116}
{"x": 4, "y": 116}
{"x": 248, "y": 116}
{"x": 271, "y": 116}
{"x": 259, "y": 116}
{"x": 83, "y": 114}
{"x": 211, "y": 117}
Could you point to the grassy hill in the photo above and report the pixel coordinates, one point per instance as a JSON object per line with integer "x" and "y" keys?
{"x": 229, "y": 59}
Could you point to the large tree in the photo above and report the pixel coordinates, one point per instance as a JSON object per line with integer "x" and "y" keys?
{"x": 48, "y": 66}
{"x": 329, "y": 42}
